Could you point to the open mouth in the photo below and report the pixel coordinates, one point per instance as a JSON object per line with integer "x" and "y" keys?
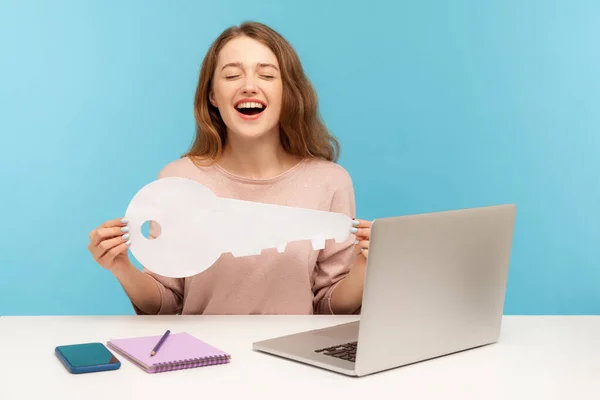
{"x": 250, "y": 108}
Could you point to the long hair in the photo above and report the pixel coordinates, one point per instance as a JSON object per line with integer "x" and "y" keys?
{"x": 302, "y": 131}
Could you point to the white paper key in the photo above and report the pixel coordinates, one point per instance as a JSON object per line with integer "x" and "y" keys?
{"x": 197, "y": 227}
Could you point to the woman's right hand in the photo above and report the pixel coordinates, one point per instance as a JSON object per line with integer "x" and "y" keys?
{"x": 109, "y": 243}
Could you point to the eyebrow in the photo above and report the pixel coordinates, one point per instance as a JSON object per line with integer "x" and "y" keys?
{"x": 239, "y": 65}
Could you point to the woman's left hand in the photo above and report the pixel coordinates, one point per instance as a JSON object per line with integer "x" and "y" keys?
{"x": 363, "y": 235}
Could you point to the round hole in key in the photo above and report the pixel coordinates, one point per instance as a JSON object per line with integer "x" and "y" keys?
{"x": 151, "y": 227}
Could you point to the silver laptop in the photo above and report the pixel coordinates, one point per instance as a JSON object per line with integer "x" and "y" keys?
{"x": 435, "y": 285}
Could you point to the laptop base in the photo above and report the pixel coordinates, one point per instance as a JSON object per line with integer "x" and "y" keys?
{"x": 317, "y": 347}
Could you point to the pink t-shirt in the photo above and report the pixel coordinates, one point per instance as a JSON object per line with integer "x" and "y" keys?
{"x": 297, "y": 281}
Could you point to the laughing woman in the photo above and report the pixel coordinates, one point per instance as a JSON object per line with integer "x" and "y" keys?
{"x": 259, "y": 138}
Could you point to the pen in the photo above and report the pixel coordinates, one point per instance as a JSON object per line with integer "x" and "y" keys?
{"x": 160, "y": 342}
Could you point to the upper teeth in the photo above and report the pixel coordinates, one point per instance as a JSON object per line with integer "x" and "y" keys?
{"x": 250, "y": 105}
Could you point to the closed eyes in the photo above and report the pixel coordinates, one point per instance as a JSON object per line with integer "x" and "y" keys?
{"x": 231, "y": 77}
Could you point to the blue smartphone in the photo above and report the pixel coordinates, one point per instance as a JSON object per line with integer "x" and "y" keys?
{"x": 87, "y": 357}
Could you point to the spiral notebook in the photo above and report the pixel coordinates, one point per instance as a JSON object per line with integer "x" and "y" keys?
{"x": 179, "y": 351}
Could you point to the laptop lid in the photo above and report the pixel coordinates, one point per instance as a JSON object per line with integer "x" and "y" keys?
{"x": 435, "y": 284}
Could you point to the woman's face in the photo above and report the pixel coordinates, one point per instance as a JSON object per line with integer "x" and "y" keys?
{"x": 247, "y": 88}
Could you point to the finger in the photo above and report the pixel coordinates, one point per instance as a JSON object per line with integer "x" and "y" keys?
{"x": 106, "y": 246}
{"x": 114, "y": 252}
{"x": 114, "y": 222}
{"x": 102, "y": 234}
{"x": 363, "y": 252}
{"x": 363, "y": 244}
{"x": 361, "y": 223}
{"x": 363, "y": 232}
{"x": 110, "y": 224}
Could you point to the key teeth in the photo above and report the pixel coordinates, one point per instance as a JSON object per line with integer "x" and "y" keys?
{"x": 245, "y": 253}
{"x": 281, "y": 247}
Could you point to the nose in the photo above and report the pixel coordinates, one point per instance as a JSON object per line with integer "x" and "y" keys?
{"x": 249, "y": 87}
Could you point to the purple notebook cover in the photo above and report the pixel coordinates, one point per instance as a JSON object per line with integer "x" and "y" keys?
{"x": 179, "y": 351}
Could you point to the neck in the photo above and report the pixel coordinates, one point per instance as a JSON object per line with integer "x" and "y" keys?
{"x": 261, "y": 158}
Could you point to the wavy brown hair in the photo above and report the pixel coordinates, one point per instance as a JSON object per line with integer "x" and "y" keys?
{"x": 302, "y": 132}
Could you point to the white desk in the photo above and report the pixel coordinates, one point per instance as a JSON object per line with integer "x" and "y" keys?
{"x": 536, "y": 358}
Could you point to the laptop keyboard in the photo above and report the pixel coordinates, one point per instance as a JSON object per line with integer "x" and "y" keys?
{"x": 346, "y": 351}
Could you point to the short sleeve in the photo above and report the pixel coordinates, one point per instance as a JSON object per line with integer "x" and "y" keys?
{"x": 336, "y": 259}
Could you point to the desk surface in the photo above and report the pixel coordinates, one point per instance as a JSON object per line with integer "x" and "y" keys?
{"x": 551, "y": 357}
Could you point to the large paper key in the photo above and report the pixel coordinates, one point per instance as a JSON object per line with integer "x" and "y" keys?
{"x": 197, "y": 227}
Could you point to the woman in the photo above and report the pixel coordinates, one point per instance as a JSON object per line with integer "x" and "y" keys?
{"x": 259, "y": 138}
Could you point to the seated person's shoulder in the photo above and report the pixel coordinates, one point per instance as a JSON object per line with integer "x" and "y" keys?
{"x": 181, "y": 167}
{"x": 331, "y": 172}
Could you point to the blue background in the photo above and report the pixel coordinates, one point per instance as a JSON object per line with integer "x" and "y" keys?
{"x": 438, "y": 105}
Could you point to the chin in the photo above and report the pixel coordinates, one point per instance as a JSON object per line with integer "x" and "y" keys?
{"x": 252, "y": 132}
{"x": 254, "y": 127}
